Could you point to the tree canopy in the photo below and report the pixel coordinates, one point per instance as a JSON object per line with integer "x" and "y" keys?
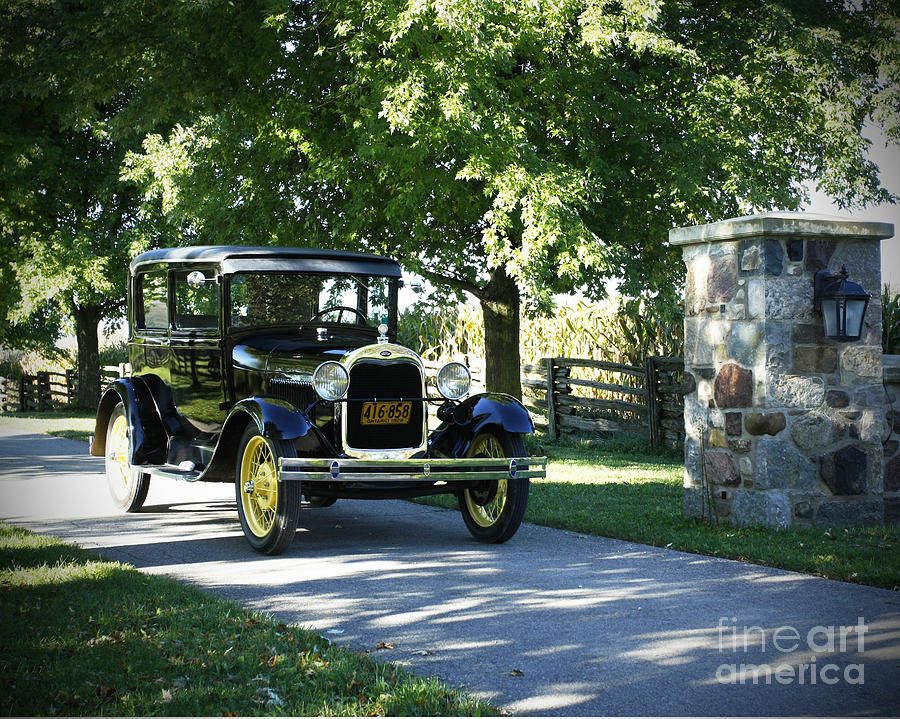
{"x": 508, "y": 149}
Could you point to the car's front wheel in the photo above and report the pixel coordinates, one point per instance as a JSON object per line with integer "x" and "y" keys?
{"x": 494, "y": 510}
{"x": 269, "y": 509}
{"x": 128, "y": 485}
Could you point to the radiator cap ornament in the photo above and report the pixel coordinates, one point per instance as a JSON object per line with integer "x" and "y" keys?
{"x": 382, "y": 334}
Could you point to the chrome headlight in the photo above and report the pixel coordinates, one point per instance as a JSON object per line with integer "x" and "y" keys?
{"x": 331, "y": 381}
{"x": 454, "y": 380}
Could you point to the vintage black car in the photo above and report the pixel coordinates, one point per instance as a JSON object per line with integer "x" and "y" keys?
{"x": 278, "y": 369}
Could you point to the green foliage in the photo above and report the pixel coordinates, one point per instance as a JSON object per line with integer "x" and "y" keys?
{"x": 890, "y": 322}
{"x": 114, "y": 353}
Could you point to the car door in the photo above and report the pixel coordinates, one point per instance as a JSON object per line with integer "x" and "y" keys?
{"x": 149, "y": 344}
{"x": 197, "y": 378}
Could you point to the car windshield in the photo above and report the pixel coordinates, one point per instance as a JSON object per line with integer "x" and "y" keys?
{"x": 298, "y": 298}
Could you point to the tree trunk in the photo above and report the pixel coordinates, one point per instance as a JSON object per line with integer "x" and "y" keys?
{"x": 87, "y": 321}
{"x": 500, "y": 308}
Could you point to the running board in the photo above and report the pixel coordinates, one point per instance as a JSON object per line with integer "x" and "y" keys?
{"x": 184, "y": 471}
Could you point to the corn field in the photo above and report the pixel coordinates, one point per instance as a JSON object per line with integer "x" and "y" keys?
{"x": 623, "y": 331}
{"x": 619, "y": 331}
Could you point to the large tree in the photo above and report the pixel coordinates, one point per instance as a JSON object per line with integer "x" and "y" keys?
{"x": 64, "y": 215}
{"x": 511, "y": 150}
{"x": 514, "y": 150}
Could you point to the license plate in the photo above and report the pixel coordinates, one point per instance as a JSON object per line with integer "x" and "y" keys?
{"x": 386, "y": 412}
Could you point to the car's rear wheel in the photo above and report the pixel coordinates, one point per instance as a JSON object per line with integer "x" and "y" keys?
{"x": 494, "y": 510}
{"x": 269, "y": 509}
{"x": 128, "y": 485}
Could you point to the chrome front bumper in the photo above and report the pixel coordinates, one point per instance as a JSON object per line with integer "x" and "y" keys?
{"x": 410, "y": 470}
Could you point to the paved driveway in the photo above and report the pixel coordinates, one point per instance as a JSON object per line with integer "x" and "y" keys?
{"x": 551, "y": 623}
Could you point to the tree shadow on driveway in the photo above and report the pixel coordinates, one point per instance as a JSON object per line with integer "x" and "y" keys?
{"x": 552, "y": 622}
{"x": 549, "y": 623}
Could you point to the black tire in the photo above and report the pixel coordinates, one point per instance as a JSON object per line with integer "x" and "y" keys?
{"x": 127, "y": 484}
{"x": 493, "y": 511}
{"x": 269, "y": 509}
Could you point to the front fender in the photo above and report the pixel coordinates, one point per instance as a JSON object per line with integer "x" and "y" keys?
{"x": 485, "y": 411}
{"x": 275, "y": 418}
{"x": 148, "y": 437}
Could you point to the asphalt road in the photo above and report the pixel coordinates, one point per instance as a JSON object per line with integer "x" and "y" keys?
{"x": 550, "y": 623}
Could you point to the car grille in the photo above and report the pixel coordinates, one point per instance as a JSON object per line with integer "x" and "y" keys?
{"x": 299, "y": 394}
{"x": 385, "y": 381}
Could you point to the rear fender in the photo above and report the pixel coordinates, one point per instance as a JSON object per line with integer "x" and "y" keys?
{"x": 500, "y": 412}
{"x": 149, "y": 440}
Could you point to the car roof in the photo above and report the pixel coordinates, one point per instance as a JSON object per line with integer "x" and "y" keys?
{"x": 243, "y": 258}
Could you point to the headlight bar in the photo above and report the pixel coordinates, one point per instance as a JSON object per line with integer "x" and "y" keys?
{"x": 401, "y": 470}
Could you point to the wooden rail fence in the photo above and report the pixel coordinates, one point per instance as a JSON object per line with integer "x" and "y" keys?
{"x": 582, "y": 395}
{"x": 46, "y": 391}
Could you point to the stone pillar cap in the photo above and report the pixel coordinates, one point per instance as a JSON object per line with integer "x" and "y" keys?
{"x": 773, "y": 224}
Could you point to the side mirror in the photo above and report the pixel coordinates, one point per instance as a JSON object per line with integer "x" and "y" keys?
{"x": 196, "y": 279}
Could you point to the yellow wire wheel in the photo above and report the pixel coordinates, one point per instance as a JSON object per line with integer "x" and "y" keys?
{"x": 268, "y": 508}
{"x": 494, "y": 510}
{"x": 127, "y": 484}
{"x": 259, "y": 484}
{"x": 485, "y": 506}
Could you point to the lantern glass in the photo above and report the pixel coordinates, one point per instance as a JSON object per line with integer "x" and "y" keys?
{"x": 855, "y": 309}
{"x": 831, "y": 317}
{"x": 842, "y": 304}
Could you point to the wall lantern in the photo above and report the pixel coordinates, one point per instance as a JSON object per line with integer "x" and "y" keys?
{"x": 842, "y": 304}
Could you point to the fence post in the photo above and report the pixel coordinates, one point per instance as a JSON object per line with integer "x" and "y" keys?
{"x": 551, "y": 399}
{"x": 23, "y": 380}
{"x": 43, "y": 392}
{"x": 652, "y": 400}
{"x": 70, "y": 386}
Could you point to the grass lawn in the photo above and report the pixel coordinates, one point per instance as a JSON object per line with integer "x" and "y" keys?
{"x": 639, "y": 498}
{"x": 71, "y": 425}
{"x": 84, "y": 636}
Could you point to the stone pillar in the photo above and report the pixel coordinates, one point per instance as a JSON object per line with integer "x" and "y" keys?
{"x": 783, "y": 425}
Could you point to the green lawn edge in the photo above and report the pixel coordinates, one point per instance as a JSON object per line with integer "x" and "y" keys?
{"x": 81, "y": 635}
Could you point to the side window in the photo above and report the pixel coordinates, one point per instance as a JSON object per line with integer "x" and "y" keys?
{"x": 154, "y": 314}
{"x": 196, "y": 300}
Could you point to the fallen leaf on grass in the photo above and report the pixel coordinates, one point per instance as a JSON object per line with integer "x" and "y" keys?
{"x": 166, "y": 696}
{"x": 268, "y": 698}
